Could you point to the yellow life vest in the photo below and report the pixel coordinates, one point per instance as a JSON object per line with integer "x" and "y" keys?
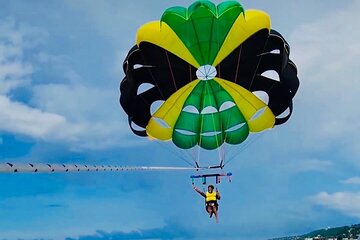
{"x": 210, "y": 196}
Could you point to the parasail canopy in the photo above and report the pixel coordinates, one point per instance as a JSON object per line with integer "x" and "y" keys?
{"x": 208, "y": 75}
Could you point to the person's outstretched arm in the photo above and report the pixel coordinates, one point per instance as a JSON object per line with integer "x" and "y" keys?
{"x": 199, "y": 191}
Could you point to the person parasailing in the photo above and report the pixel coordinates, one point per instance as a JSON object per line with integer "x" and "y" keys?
{"x": 211, "y": 200}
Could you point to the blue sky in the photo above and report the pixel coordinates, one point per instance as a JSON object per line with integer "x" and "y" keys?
{"x": 60, "y": 68}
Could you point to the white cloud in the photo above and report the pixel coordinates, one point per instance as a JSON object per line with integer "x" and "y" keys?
{"x": 347, "y": 203}
{"x": 13, "y": 71}
{"x": 84, "y": 116}
{"x": 305, "y": 165}
{"x": 86, "y": 128}
{"x": 18, "y": 118}
{"x": 353, "y": 180}
{"x": 326, "y": 53}
{"x": 74, "y": 114}
{"x": 96, "y": 110}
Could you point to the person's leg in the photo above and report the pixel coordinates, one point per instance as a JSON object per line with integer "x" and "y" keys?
{"x": 214, "y": 210}
{"x": 209, "y": 209}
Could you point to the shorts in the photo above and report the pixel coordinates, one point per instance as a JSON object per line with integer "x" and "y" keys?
{"x": 211, "y": 203}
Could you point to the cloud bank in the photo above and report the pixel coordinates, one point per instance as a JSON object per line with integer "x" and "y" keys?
{"x": 171, "y": 230}
{"x": 347, "y": 203}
